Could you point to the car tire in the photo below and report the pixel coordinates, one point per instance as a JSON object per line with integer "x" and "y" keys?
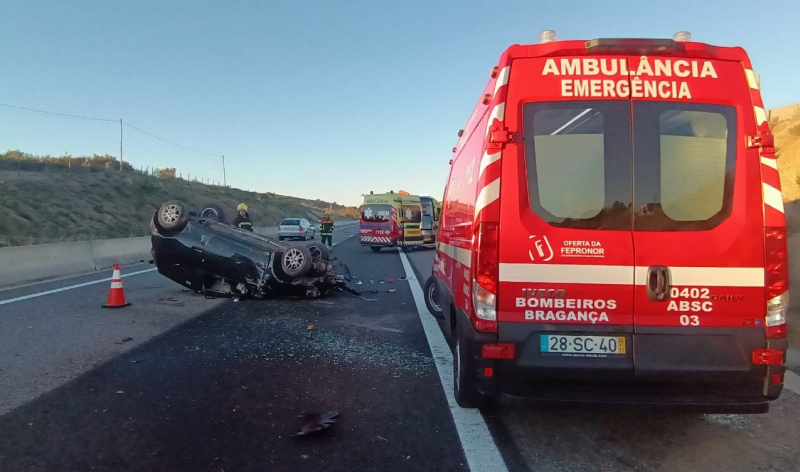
{"x": 431, "y": 291}
{"x": 280, "y": 238}
{"x": 314, "y": 234}
{"x": 296, "y": 261}
{"x": 465, "y": 389}
{"x": 375, "y": 248}
{"x": 406, "y": 249}
{"x": 172, "y": 215}
{"x": 318, "y": 250}
{"x": 213, "y": 212}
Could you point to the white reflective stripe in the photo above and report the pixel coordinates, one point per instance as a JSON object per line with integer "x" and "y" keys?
{"x": 115, "y": 275}
{"x": 770, "y": 162}
{"x": 709, "y": 276}
{"x": 487, "y": 195}
{"x": 499, "y": 112}
{"x": 772, "y": 197}
{"x": 460, "y": 254}
{"x": 502, "y": 78}
{"x": 567, "y": 273}
{"x": 751, "y": 79}
{"x": 761, "y": 115}
{"x": 116, "y": 284}
{"x": 627, "y": 275}
{"x": 487, "y": 160}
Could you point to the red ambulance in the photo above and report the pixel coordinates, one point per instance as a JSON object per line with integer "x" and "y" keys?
{"x": 613, "y": 230}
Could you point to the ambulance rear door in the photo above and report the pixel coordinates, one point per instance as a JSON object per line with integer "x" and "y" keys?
{"x": 698, "y": 219}
{"x": 566, "y": 248}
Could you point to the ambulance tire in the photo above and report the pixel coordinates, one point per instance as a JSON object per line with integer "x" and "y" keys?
{"x": 465, "y": 389}
{"x": 375, "y": 248}
{"x": 406, "y": 249}
{"x": 431, "y": 291}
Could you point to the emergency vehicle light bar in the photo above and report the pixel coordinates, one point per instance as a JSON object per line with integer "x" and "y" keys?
{"x": 634, "y": 46}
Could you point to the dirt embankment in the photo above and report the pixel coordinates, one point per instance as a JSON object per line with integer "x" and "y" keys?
{"x": 40, "y": 207}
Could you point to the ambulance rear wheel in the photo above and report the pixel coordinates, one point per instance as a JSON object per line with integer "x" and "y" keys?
{"x": 431, "y": 291}
{"x": 465, "y": 386}
{"x": 375, "y": 248}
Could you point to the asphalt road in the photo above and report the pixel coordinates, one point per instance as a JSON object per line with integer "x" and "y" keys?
{"x": 214, "y": 385}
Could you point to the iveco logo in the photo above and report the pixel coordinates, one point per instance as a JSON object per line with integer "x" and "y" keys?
{"x": 544, "y": 293}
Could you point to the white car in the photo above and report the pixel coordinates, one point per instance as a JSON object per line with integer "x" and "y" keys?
{"x": 296, "y": 228}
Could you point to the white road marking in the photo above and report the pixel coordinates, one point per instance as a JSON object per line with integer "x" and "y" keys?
{"x": 792, "y": 381}
{"x": 69, "y": 287}
{"x": 476, "y": 441}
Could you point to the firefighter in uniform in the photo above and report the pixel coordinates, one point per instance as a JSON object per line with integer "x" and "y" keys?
{"x": 326, "y": 228}
{"x": 243, "y": 220}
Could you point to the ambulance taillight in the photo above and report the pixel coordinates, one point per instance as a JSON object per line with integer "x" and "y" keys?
{"x": 776, "y": 282}
{"x": 486, "y": 276}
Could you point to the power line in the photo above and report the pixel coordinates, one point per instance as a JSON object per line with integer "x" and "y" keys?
{"x": 171, "y": 142}
{"x": 47, "y": 112}
{"x": 56, "y": 113}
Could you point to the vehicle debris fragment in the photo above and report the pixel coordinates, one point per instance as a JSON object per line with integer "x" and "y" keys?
{"x": 315, "y": 422}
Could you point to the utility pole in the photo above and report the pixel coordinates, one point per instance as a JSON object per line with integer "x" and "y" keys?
{"x": 224, "y": 177}
{"x": 120, "y": 144}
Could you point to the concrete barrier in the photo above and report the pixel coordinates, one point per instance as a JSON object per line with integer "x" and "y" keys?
{"x": 107, "y": 252}
{"x": 23, "y": 264}
{"x": 20, "y": 264}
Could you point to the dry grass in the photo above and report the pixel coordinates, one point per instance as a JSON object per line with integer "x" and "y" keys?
{"x": 40, "y": 208}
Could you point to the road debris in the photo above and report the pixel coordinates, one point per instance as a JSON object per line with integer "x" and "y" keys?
{"x": 358, "y": 282}
{"x": 124, "y": 340}
{"x": 314, "y": 422}
{"x": 391, "y": 290}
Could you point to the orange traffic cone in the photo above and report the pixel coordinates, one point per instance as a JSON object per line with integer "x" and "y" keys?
{"x": 116, "y": 297}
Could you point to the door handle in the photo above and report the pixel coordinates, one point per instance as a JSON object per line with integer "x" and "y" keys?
{"x": 658, "y": 283}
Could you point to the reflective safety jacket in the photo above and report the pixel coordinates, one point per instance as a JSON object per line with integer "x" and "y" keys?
{"x": 326, "y": 226}
{"x": 243, "y": 222}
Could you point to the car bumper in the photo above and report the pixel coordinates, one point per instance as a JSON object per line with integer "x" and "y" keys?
{"x": 710, "y": 372}
{"x": 293, "y": 234}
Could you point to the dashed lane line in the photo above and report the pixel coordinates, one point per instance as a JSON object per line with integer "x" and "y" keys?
{"x": 476, "y": 440}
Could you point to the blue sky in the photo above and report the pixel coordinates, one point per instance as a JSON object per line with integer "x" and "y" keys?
{"x": 318, "y": 99}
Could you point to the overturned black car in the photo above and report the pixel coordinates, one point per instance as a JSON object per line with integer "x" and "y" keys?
{"x": 204, "y": 253}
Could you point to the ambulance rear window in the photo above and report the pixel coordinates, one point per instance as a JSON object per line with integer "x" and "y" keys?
{"x": 684, "y": 160}
{"x": 579, "y": 163}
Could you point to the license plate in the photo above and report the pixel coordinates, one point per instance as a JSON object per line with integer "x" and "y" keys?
{"x": 568, "y": 344}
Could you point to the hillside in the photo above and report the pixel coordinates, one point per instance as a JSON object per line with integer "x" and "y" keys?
{"x": 44, "y": 207}
{"x": 785, "y": 124}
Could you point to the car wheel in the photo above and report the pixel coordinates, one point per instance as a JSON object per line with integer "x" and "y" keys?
{"x": 172, "y": 215}
{"x": 296, "y": 261}
{"x": 280, "y": 238}
{"x": 375, "y": 248}
{"x": 432, "y": 297}
{"x": 314, "y": 234}
{"x": 464, "y": 382}
{"x": 406, "y": 249}
{"x": 214, "y": 212}
{"x": 318, "y": 250}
